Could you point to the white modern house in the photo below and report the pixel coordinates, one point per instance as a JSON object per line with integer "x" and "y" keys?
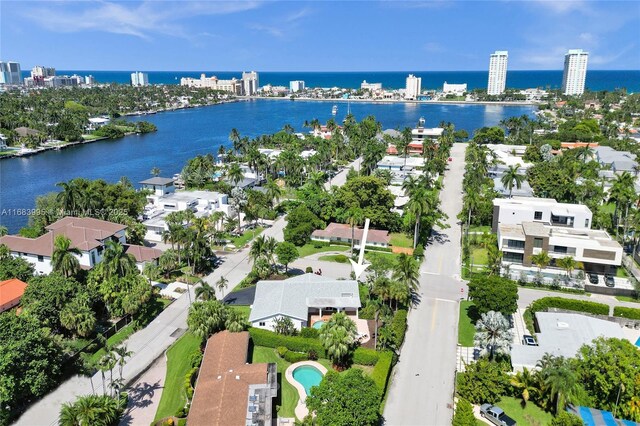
{"x": 515, "y": 210}
{"x": 454, "y": 89}
{"x": 97, "y": 122}
{"x": 88, "y": 235}
{"x": 594, "y": 248}
{"x": 305, "y": 299}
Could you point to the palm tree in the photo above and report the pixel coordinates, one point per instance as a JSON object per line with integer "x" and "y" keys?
{"x": 106, "y": 363}
{"x": 90, "y": 410}
{"x": 559, "y": 379}
{"x": 222, "y": 284}
{"x": 235, "y": 174}
{"x": 155, "y": 172}
{"x": 493, "y": 335}
{"x": 122, "y": 354}
{"x": 541, "y": 260}
{"x": 258, "y": 249}
{"x": 63, "y": 259}
{"x": 526, "y": 383}
{"x": 274, "y": 192}
{"x": 70, "y": 197}
{"x": 205, "y": 292}
{"x": 339, "y": 337}
{"x": 235, "y": 322}
{"x": 3, "y": 231}
{"x": 206, "y": 318}
{"x": 407, "y": 272}
{"x": 355, "y": 216}
{"x": 512, "y": 178}
{"x": 234, "y": 137}
{"x": 417, "y": 207}
{"x": 117, "y": 262}
{"x": 568, "y": 263}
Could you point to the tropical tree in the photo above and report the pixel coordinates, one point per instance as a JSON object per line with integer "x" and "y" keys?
{"x": 355, "y": 216}
{"x": 541, "y": 260}
{"x": 561, "y": 382}
{"x": 121, "y": 353}
{"x": 512, "y": 178}
{"x": 206, "y": 318}
{"x": 235, "y": 174}
{"x": 568, "y": 263}
{"x": 274, "y": 191}
{"x": 235, "y": 321}
{"x": 118, "y": 263}
{"x": 90, "y": 410}
{"x": 106, "y": 363}
{"x": 222, "y": 284}
{"x": 3, "y": 231}
{"x": 78, "y": 316}
{"x": 63, "y": 259}
{"x": 205, "y": 291}
{"x": 339, "y": 338}
{"x": 287, "y": 253}
{"x": 417, "y": 207}
{"x": 493, "y": 335}
{"x": 155, "y": 172}
{"x": 407, "y": 272}
{"x": 238, "y": 202}
{"x": 526, "y": 383}
{"x": 284, "y": 325}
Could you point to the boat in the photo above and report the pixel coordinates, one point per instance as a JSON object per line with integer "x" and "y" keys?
{"x": 334, "y": 110}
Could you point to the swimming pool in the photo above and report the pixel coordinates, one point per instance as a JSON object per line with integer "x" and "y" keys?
{"x": 308, "y": 376}
{"x": 318, "y": 325}
{"x": 638, "y": 342}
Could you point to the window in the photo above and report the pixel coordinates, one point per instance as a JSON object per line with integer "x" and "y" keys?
{"x": 515, "y": 244}
{"x": 512, "y": 257}
{"x": 586, "y": 223}
{"x": 560, "y": 249}
{"x": 40, "y": 258}
{"x": 262, "y": 323}
{"x": 537, "y": 243}
{"x": 537, "y": 216}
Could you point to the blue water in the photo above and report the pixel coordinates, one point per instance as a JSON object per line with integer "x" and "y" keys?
{"x": 318, "y": 325}
{"x": 596, "y": 80}
{"x": 186, "y": 133}
{"x": 308, "y": 376}
{"x": 638, "y": 342}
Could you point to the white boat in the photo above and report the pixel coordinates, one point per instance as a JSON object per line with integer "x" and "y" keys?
{"x": 334, "y": 110}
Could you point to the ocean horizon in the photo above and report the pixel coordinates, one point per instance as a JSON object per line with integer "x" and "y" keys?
{"x": 518, "y": 79}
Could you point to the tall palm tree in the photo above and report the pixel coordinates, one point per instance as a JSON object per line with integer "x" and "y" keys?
{"x": 234, "y": 137}
{"x": 63, "y": 259}
{"x": 493, "y": 335}
{"x": 121, "y": 353}
{"x": 222, "y": 284}
{"x": 512, "y": 178}
{"x": 568, "y": 263}
{"x": 526, "y": 383}
{"x": 417, "y": 207}
{"x": 258, "y": 248}
{"x": 355, "y": 216}
{"x": 205, "y": 292}
{"x": 274, "y": 192}
{"x": 70, "y": 198}
{"x": 117, "y": 262}
{"x": 235, "y": 174}
{"x": 155, "y": 172}
{"x": 407, "y": 272}
{"x": 339, "y": 338}
{"x": 106, "y": 363}
{"x": 561, "y": 382}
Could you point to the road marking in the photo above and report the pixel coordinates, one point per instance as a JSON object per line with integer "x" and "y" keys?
{"x": 434, "y": 316}
{"x": 430, "y": 273}
{"x": 444, "y": 300}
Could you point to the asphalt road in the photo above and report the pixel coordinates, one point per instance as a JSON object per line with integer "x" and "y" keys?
{"x": 422, "y": 385}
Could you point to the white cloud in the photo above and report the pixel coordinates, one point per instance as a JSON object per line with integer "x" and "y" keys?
{"x": 271, "y": 30}
{"x": 433, "y": 47}
{"x": 562, "y": 7}
{"x": 598, "y": 59}
{"x": 139, "y": 20}
{"x": 284, "y": 25}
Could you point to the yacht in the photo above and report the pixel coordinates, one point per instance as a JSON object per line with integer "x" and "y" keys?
{"x": 334, "y": 110}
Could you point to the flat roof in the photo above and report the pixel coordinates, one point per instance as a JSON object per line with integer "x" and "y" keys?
{"x": 156, "y": 180}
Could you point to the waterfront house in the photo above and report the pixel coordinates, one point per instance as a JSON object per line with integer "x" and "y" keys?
{"x": 96, "y": 122}
{"x": 229, "y": 390}
{"x": 88, "y": 235}
{"x": 339, "y": 232}
{"x": 304, "y": 299}
{"x": 11, "y": 292}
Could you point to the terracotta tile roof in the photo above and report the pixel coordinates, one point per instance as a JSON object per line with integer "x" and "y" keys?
{"x": 11, "y": 291}
{"x": 222, "y": 389}
{"x": 41, "y": 246}
{"x": 142, "y": 253}
{"x": 339, "y": 230}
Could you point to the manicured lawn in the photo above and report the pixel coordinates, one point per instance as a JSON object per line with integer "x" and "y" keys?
{"x": 466, "y": 329}
{"x": 479, "y": 255}
{"x": 288, "y": 394}
{"x": 309, "y": 249}
{"x": 369, "y": 254}
{"x": 530, "y": 415}
{"x": 243, "y": 309}
{"x": 114, "y": 340}
{"x": 621, "y": 272}
{"x": 340, "y": 258}
{"x": 178, "y": 365}
{"x": 401, "y": 240}
{"x": 246, "y": 236}
{"x": 627, "y": 299}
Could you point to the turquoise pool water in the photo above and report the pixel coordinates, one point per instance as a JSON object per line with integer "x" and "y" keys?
{"x": 308, "y": 376}
{"x": 318, "y": 325}
{"x": 638, "y": 342}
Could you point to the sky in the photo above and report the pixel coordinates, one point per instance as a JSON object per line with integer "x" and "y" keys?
{"x": 437, "y": 35}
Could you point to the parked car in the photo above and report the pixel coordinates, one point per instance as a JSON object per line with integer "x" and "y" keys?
{"x": 593, "y": 278}
{"x": 529, "y": 340}
{"x": 609, "y": 281}
{"x": 496, "y": 415}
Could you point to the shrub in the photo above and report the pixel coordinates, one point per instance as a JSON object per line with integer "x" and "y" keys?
{"x": 382, "y": 369}
{"x": 364, "y": 356}
{"x": 483, "y": 381}
{"x": 309, "y": 333}
{"x": 196, "y": 358}
{"x": 294, "y": 357}
{"x": 309, "y": 270}
{"x": 569, "y": 304}
{"x": 188, "y": 383}
{"x": 312, "y": 355}
{"x": 281, "y": 351}
{"x": 270, "y": 339}
{"x": 368, "y": 312}
{"x": 341, "y": 258}
{"x": 629, "y": 313}
{"x": 320, "y": 244}
{"x": 399, "y": 327}
{"x": 419, "y": 251}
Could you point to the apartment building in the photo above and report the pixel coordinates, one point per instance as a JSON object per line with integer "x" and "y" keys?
{"x": 516, "y": 210}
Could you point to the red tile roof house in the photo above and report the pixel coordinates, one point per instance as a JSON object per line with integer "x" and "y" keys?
{"x": 342, "y": 233}
{"x": 11, "y": 292}
{"x": 86, "y": 234}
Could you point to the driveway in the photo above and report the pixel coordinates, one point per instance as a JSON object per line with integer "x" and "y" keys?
{"x": 421, "y": 390}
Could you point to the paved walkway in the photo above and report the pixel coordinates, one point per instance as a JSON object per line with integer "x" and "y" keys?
{"x": 144, "y": 395}
{"x": 421, "y": 390}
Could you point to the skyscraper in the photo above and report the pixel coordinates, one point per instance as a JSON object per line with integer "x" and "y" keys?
{"x": 575, "y": 72}
{"x": 413, "y": 87}
{"x": 10, "y": 73}
{"x": 139, "y": 79}
{"x": 497, "y": 72}
{"x": 250, "y": 83}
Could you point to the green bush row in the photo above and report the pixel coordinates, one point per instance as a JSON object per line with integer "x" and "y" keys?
{"x": 270, "y": 339}
{"x": 346, "y": 244}
{"x": 399, "y": 326}
{"x": 629, "y": 313}
{"x": 364, "y": 356}
{"x": 382, "y": 369}
{"x": 294, "y": 357}
{"x": 569, "y": 304}
{"x": 188, "y": 382}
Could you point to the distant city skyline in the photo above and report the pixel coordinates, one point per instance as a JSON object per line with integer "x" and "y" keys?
{"x": 307, "y": 36}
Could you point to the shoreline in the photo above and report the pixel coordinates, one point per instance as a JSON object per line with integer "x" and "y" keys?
{"x": 396, "y": 101}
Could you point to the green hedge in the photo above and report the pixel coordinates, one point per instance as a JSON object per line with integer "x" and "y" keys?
{"x": 364, "y": 356}
{"x": 629, "y": 313}
{"x": 399, "y": 326}
{"x": 270, "y": 339}
{"x": 569, "y": 304}
{"x": 294, "y": 357}
{"x": 381, "y": 370}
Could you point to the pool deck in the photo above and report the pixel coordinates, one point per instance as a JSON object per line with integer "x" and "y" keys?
{"x": 301, "y": 408}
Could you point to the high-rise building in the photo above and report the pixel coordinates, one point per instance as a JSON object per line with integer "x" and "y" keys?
{"x": 139, "y": 79}
{"x": 296, "y": 86}
{"x": 40, "y": 71}
{"x": 250, "y": 83}
{"x": 497, "y": 72}
{"x": 10, "y": 73}
{"x": 413, "y": 87}
{"x": 575, "y": 72}
{"x": 234, "y": 85}
{"x": 89, "y": 80}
